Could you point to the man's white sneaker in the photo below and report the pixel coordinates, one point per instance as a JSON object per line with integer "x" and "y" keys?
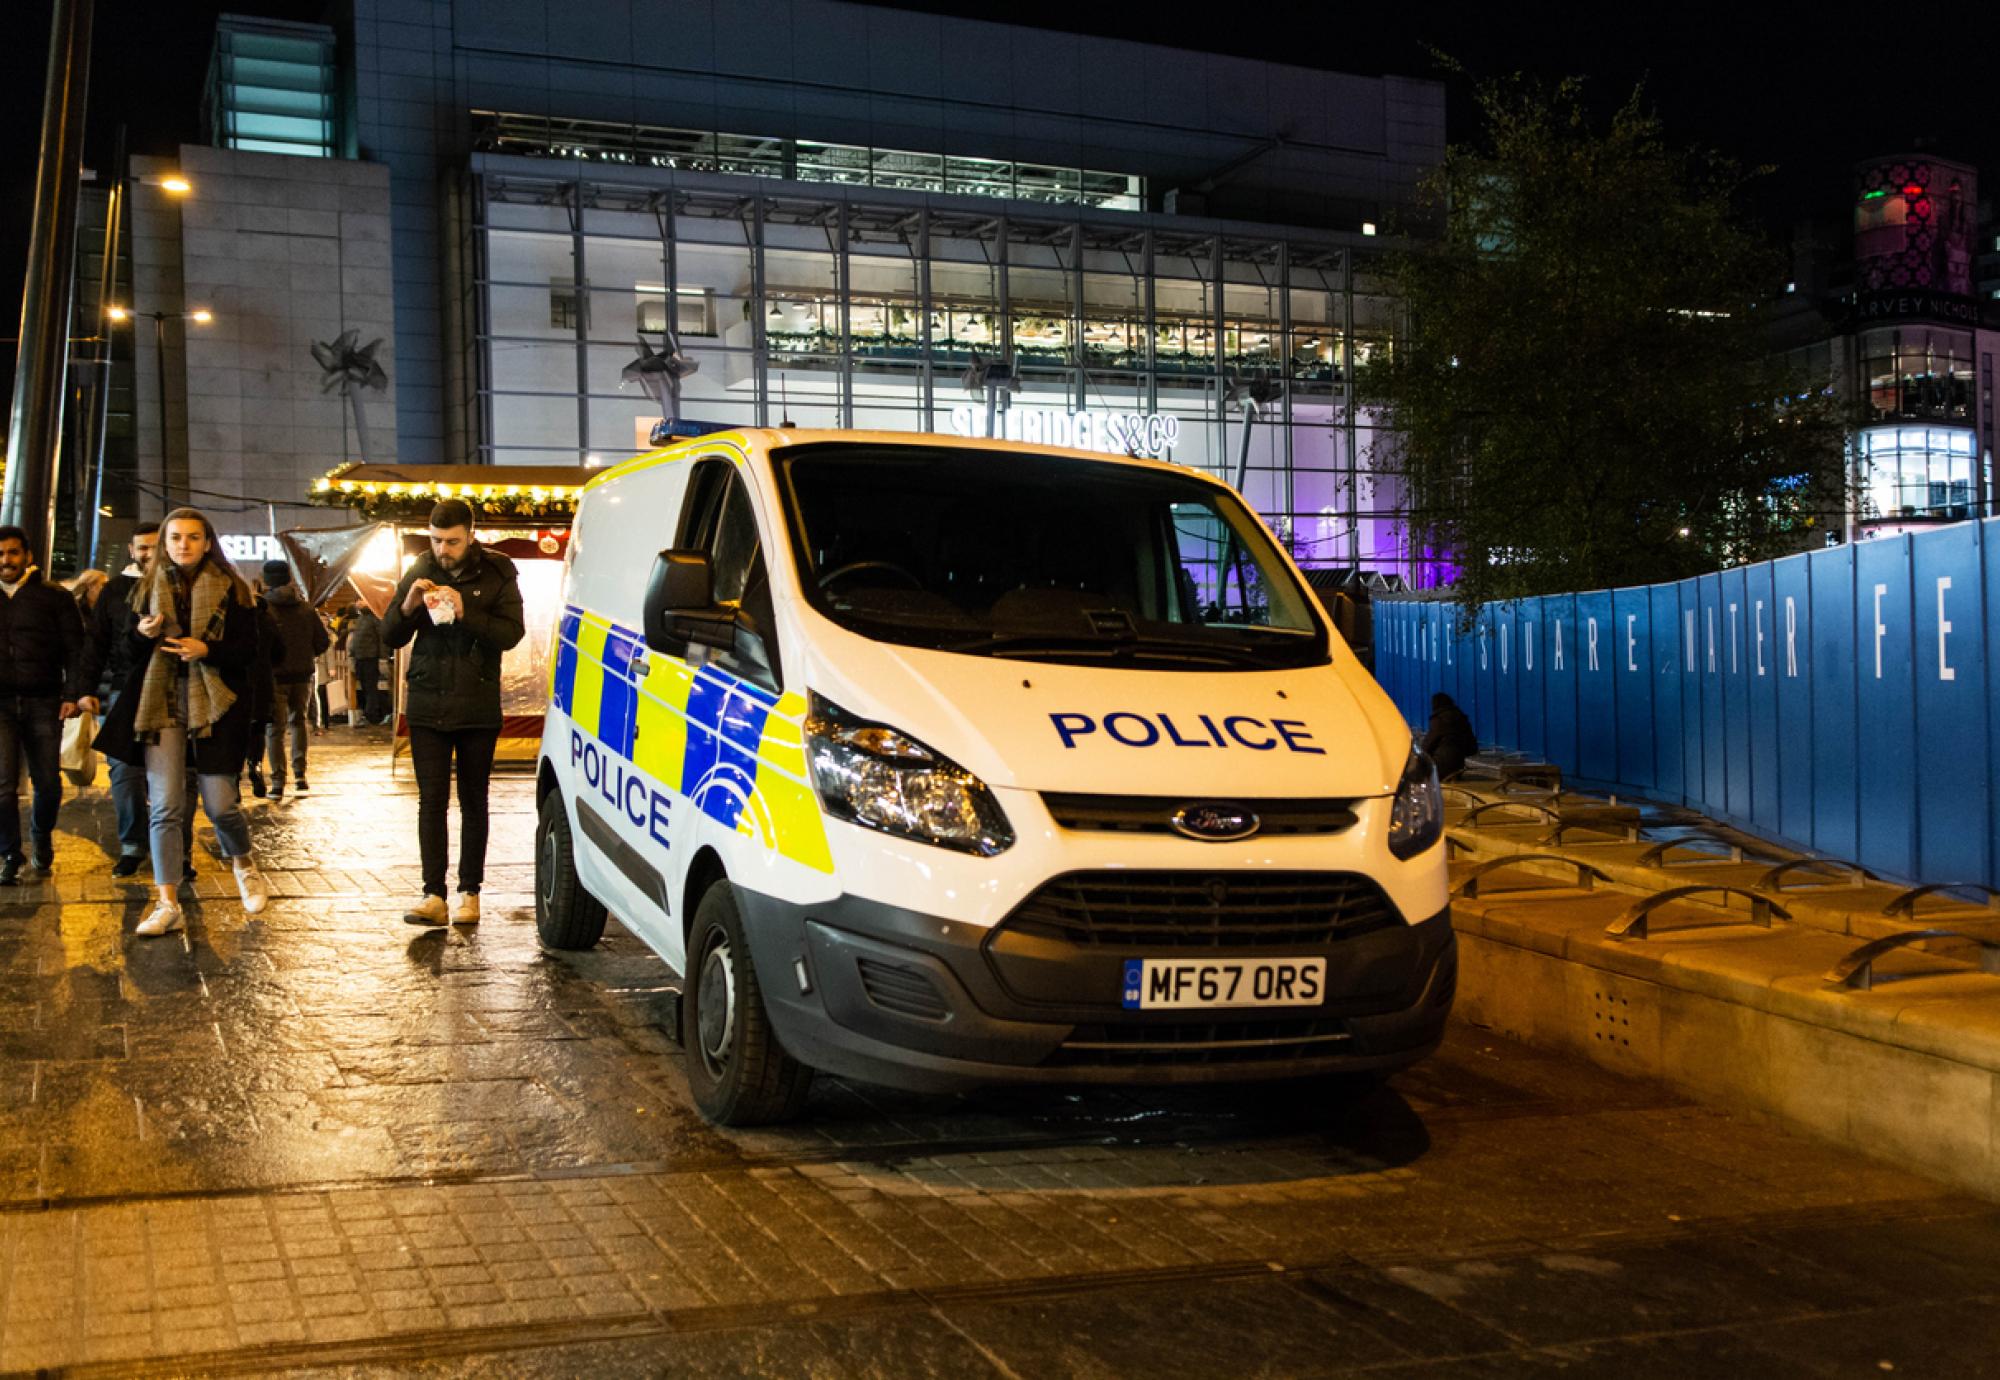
{"x": 164, "y": 918}
{"x": 256, "y": 892}
{"x": 466, "y": 912}
{"x": 429, "y": 911}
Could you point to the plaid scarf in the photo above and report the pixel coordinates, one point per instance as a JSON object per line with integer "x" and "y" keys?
{"x": 208, "y": 699}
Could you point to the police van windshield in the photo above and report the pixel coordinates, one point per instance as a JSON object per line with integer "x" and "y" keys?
{"x": 990, "y": 553}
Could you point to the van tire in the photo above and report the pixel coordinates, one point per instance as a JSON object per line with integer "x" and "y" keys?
{"x": 738, "y": 1072}
{"x": 566, "y": 915}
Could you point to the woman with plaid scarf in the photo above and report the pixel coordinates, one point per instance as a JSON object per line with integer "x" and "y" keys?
{"x": 193, "y": 631}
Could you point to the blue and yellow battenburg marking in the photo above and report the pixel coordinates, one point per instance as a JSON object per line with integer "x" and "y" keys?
{"x": 733, "y": 749}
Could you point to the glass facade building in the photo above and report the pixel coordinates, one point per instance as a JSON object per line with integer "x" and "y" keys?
{"x": 1922, "y": 451}
{"x": 833, "y": 303}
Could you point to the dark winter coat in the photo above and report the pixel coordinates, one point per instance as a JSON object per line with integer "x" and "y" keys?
{"x": 270, "y": 651}
{"x": 1450, "y": 739}
{"x": 107, "y": 659}
{"x": 41, "y": 642}
{"x": 223, "y": 751}
{"x": 454, "y": 679}
{"x": 364, "y": 636}
{"x": 304, "y": 635}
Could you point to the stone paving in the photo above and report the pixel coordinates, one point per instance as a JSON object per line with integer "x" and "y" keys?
{"x": 312, "y": 1140}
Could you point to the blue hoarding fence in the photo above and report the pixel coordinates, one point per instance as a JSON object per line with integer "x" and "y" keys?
{"x": 1840, "y": 701}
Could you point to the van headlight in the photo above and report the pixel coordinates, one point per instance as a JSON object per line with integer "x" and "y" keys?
{"x": 877, "y": 777}
{"x": 1416, "y": 819}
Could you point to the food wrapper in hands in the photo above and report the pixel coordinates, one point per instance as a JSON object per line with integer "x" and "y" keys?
{"x": 443, "y": 610}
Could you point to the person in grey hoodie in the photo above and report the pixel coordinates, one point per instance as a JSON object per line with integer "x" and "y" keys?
{"x": 304, "y": 637}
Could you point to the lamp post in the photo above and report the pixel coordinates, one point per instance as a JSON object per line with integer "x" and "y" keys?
{"x": 201, "y": 316}
{"x": 118, "y": 208}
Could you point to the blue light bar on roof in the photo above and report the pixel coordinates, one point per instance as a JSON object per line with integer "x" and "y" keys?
{"x": 664, "y": 432}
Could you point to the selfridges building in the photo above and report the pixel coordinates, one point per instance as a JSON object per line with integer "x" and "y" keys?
{"x": 839, "y": 215}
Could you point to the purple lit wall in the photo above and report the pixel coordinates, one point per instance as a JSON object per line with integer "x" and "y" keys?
{"x": 1914, "y": 225}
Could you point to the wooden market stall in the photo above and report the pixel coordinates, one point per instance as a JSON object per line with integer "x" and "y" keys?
{"x": 522, "y": 511}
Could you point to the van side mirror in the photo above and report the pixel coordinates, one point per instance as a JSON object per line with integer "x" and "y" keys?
{"x": 680, "y": 605}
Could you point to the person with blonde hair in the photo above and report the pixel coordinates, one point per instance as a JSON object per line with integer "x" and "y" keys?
{"x": 86, "y": 587}
{"x": 193, "y": 631}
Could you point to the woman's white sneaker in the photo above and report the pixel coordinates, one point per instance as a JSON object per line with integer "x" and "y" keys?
{"x": 164, "y": 918}
{"x": 256, "y": 892}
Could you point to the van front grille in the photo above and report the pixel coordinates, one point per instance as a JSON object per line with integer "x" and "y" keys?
{"x": 1205, "y": 1042}
{"x": 1140, "y": 911}
{"x": 1153, "y": 814}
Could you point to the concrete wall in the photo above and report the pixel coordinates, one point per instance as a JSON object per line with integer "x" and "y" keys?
{"x": 1355, "y": 146}
{"x": 284, "y": 251}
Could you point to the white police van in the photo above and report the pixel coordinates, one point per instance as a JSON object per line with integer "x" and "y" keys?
{"x": 939, "y": 762}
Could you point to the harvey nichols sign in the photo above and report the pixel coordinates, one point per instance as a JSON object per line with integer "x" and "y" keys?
{"x": 1920, "y": 304}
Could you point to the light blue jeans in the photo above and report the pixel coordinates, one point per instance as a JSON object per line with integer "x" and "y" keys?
{"x": 167, "y": 767}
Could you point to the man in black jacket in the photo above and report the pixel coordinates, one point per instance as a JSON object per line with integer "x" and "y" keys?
{"x": 461, "y": 602}
{"x": 41, "y": 668}
{"x": 107, "y": 665}
{"x": 303, "y": 637}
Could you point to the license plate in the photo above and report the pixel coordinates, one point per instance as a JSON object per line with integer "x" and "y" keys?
{"x": 1165, "y": 984}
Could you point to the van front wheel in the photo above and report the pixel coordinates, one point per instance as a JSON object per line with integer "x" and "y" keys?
{"x": 566, "y": 916}
{"x": 740, "y": 1075}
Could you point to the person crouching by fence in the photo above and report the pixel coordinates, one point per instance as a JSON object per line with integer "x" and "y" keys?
{"x": 193, "y": 635}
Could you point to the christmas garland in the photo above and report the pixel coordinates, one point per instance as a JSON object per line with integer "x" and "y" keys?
{"x": 406, "y": 500}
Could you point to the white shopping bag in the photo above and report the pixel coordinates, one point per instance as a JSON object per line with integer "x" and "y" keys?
{"x": 79, "y": 761}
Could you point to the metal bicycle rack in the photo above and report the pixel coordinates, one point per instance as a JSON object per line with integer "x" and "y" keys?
{"x": 1586, "y": 875}
{"x": 1857, "y": 970}
{"x": 1905, "y": 902}
{"x": 1635, "y": 922}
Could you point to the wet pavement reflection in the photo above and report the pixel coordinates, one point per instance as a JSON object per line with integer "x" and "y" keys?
{"x": 332, "y": 1142}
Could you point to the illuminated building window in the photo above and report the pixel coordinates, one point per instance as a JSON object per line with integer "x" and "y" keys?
{"x": 1916, "y": 472}
{"x": 271, "y": 88}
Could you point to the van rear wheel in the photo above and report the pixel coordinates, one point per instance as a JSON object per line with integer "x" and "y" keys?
{"x": 740, "y": 1075}
{"x": 566, "y": 915}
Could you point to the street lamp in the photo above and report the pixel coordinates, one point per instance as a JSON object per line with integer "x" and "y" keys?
{"x": 201, "y": 316}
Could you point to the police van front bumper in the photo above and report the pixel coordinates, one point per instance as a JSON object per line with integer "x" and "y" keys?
{"x": 888, "y": 995}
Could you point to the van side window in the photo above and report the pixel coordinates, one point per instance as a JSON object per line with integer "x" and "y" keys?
{"x": 720, "y": 521}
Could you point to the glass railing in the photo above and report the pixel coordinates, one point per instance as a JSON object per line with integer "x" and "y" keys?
{"x": 803, "y": 160}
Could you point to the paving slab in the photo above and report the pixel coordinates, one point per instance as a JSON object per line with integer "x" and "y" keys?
{"x": 312, "y": 1141}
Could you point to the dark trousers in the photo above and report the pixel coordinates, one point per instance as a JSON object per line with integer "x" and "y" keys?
{"x": 30, "y": 725}
{"x": 372, "y": 707}
{"x": 431, "y": 752}
{"x": 288, "y": 716}
{"x": 128, "y": 798}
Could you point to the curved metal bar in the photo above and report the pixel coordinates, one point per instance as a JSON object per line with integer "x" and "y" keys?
{"x": 1565, "y": 823}
{"x": 1528, "y": 777}
{"x": 1657, "y": 853}
{"x": 1472, "y": 815}
{"x": 1633, "y": 924}
{"x": 1452, "y": 841}
{"x": 1772, "y": 879}
{"x": 1857, "y": 970}
{"x": 1905, "y": 902}
{"x": 1449, "y": 788}
{"x": 1468, "y": 886}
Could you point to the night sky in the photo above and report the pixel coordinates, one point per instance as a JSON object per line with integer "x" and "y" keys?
{"x": 1809, "y": 89}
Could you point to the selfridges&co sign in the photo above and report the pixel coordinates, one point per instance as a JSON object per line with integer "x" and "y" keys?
{"x": 1151, "y": 434}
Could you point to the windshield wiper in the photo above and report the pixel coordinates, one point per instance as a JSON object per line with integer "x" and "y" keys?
{"x": 1109, "y": 648}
